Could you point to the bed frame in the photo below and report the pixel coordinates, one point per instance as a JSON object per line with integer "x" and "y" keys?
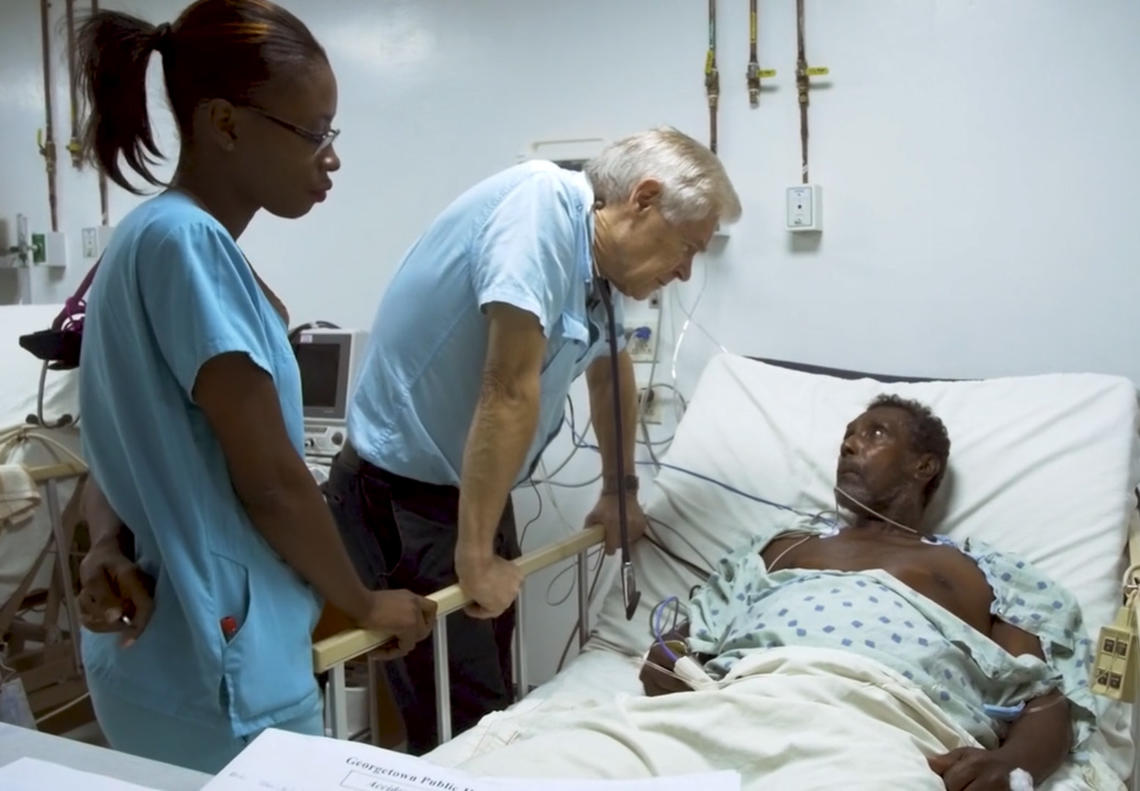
{"x": 331, "y": 654}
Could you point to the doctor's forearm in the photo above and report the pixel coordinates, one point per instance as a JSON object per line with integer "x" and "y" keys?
{"x": 501, "y": 432}
{"x": 600, "y": 381}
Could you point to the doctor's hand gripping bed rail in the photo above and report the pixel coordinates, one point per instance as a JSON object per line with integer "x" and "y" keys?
{"x": 331, "y": 654}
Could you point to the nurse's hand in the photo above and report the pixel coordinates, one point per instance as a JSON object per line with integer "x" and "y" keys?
{"x": 606, "y": 514}
{"x": 408, "y": 616}
{"x": 115, "y": 594}
{"x": 491, "y": 581}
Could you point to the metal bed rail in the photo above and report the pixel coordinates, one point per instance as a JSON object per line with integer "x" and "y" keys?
{"x": 331, "y": 654}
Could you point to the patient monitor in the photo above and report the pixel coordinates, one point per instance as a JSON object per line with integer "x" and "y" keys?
{"x": 328, "y": 358}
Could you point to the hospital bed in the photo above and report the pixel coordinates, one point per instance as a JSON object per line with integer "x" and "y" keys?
{"x": 38, "y": 610}
{"x": 1043, "y": 466}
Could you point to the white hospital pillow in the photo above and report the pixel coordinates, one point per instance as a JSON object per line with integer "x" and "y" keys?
{"x": 1043, "y": 466}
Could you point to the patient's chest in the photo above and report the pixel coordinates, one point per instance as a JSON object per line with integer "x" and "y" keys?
{"x": 919, "y": 609}
{"x": 940, "y": 573}
{"x": 864, "y": 613}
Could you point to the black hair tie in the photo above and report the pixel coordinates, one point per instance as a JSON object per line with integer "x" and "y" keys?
{"x": 162, "y": 36}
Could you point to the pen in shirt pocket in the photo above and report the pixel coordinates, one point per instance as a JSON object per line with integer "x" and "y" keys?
{"x": 229, "y": 627}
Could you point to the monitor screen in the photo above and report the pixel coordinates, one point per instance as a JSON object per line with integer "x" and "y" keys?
{"x": 326, "y": 358}
{"x": 320, "y": 373}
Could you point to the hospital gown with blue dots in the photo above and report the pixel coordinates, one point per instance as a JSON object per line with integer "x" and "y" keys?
{"x": 743, "y": 608}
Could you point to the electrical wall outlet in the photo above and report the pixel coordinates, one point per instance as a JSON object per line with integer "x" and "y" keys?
{"x": 805, "y": 208}
{"x": 90, "y": 243}
{"x": 649, "y": 405}
{"x": 641, "y": 342}
{"x": 95, "y": 241}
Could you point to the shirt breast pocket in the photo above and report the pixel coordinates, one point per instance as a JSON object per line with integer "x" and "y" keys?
{"x": 566, "y": 344}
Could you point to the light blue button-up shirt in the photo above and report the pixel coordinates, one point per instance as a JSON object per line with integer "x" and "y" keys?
{"x": 172, "y": 292}
{"x": 522, "y": 237}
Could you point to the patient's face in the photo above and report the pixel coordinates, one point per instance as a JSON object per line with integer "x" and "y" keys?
{"x": 876, "y": 463}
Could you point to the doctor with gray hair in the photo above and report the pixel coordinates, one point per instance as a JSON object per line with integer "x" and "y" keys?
{"x": 494, "y": 311}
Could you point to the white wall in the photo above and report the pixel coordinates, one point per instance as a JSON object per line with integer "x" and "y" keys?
{"x": 978, "y": 159}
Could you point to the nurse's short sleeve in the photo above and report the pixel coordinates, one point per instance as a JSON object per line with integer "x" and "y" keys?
{"x": 525, "y": 253}
{"x": 201, "y": 300}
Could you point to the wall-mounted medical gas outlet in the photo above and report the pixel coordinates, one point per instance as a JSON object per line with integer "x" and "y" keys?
{"x": 19, "y": 254}
{"x": 641, "y": 342}
{"x": 805, "y": 208}
{"x": 95, "y": 241}
{"x": 49, "y": 249}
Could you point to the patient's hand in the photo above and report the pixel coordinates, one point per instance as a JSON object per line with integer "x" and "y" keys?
{"x": 656, "y": 676}
{"x": 974, "y": 769}
{"x": 115, "y": 595}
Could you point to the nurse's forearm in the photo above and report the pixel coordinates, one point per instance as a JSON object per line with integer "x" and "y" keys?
{"x": 103, "y": 525}
{"x": 294, "y": 519}
{"x": 272, "y": 483}
{"x": 501, "y": 432}
{"x": 599, "y": 377}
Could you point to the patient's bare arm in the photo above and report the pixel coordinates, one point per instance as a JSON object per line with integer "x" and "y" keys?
{"x": 656, "y": 680}
{"x": 1039, "y": 739}
{"x": 1037, "y": 742}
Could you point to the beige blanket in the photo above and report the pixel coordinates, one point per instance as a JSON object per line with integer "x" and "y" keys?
{"x": 790, "y": 718}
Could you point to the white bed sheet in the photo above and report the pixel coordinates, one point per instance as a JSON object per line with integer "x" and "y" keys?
{"x": 596, "y": 674}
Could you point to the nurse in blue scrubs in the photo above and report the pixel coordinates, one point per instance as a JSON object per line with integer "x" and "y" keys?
{"x": 191, "y": 396}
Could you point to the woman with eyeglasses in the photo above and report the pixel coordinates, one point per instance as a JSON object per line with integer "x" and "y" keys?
{"x": 191, "y": 396}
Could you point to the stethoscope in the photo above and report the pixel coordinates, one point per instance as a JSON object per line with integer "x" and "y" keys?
{"x": 630, "y": 594}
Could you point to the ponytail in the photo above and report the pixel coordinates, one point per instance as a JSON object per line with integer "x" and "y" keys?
{"x": 217, "y": 49}
{"x": 114, "y": 50}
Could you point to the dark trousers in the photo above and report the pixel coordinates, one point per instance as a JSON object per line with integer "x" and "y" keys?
{"x": 401, "y": 533}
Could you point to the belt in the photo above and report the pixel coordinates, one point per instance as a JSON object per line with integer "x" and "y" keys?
{"x": 351, "y": 459}
{"x": 355, "y": 463}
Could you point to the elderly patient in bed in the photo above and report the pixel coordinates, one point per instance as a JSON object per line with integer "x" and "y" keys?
{"x": 960, "y": 621}
{"x": 944, "y": 664}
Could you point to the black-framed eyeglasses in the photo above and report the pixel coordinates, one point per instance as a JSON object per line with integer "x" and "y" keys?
{"x": 321, "y": 140}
